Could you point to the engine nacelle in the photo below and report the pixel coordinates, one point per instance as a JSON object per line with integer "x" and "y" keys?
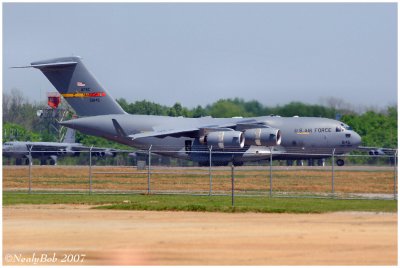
{"x": 225, "y": 139}
{"x": 376, "y": 152}
{"x": 263, "y": 136}
{"x": 105, "y": 153}
{"x": 109, "y": 153}
{"x": 61, "y": 152}
{"x": 99, "y": 154}
{"x": 67, "y": 152}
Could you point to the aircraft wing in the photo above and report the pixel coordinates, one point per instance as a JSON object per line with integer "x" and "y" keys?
{"x": 42, "y": 147}
{"x": 99, "y": 150}
{"x": 189, "y": 132}
{"x": 67, "y": 147}
{"x": 195, "y": 132}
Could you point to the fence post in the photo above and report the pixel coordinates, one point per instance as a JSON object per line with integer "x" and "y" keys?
{"x": 30, "y": 169}
{"x": 333, "y": 172}
{"x": 90, "y": 169}
{"x": 209, "y": 170}
{"x": 395, "y": 175}
{"x": 233, "y": 183}
{"x": 149, "y": 170}
{"x": 270, "y": 173}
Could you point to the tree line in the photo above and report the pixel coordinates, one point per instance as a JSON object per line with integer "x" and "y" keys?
{"x": 227, "y": 108}
{"x": 377, "y": 128}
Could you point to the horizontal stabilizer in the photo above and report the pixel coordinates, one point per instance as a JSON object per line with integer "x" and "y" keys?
{"x": 47, "y": 65}
{"x": 56, "y": 64}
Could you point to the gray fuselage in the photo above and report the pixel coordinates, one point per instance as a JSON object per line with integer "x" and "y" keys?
{"x": 300, "y": 135}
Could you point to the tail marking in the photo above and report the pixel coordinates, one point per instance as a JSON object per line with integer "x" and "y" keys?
{"x": 84, "y": 95}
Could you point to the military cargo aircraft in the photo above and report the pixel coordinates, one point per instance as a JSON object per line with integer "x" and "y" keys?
{"x": 230, "y": 139}
{"x": 49, "y": 152}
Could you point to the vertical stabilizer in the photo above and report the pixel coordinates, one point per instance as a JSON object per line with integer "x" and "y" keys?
{"x": 78, "y": 86}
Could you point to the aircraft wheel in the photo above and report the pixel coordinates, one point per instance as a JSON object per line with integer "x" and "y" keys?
{"x": 321, "y": 162}
{"x": 52, "y": 162}
{"x": 340, "y": 162}
{"x": 26, "y": 161}
{"x": 289, "y": 162}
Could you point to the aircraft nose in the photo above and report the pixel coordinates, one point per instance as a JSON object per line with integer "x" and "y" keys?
{"x": 356, "y": 139}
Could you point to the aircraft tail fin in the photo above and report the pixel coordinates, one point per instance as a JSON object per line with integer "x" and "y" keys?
{"x": 69, "y": 136}
{"x": 78, "y": 86}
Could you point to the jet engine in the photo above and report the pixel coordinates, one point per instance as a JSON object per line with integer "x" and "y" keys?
{"x": 105, "y": 153}
{"x": 99, "y": 154}
{"x": 376, "y": 152}
{"x": 61, "y": 152}
{"x": 67, "y": 152}
{"x": 225, "y": 139}
{"x": 262, "y": 136}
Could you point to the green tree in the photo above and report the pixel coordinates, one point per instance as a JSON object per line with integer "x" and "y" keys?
{"x": 376, "y": 129}
{"x": 199, "y": 111}
{"x": 15, "y": 132}
{"x": 226, "y": 108}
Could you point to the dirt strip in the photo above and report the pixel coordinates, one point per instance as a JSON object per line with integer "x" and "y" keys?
{"x": 51, "y": 234}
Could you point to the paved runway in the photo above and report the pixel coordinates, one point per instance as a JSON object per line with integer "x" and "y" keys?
{"x": 190, "y": 238}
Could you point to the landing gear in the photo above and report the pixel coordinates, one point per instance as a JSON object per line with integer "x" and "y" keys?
{"x": 340, "y": 162}
{"x": 22, "y": 161}
{"x": 310, "y": 162}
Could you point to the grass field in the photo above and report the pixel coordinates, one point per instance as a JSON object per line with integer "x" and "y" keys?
{"x": 248, "y": 180}
{"x": 203, "y": 203}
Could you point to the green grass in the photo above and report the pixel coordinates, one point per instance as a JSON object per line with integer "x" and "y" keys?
{"x": 203, "y": 203}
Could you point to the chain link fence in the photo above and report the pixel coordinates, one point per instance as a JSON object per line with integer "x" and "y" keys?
{"x": 151, "y": 172}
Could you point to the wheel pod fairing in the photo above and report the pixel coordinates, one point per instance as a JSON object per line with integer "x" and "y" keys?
{"x": 225, "y": 139}
{"x": 262, "y": 136}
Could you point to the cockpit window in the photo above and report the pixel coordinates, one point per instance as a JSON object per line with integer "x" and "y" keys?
{"x": 348, "y": 127}
{"x": 343, "y": 127}
{"x": 340, "y": 129}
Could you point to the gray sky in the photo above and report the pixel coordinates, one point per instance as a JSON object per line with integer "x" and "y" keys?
{"x": 196, "y": 54}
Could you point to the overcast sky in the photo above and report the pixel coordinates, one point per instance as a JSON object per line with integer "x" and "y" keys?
{"x": 196, "y": 54}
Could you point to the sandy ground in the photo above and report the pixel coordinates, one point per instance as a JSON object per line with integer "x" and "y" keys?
{"x": 191, "y": 238}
